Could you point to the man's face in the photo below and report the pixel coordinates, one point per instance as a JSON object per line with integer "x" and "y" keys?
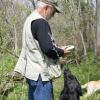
{"x": 50, "y": 12}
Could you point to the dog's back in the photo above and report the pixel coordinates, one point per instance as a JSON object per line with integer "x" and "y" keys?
{"x": 72, "y": 88}
{"x": 91, "y": 87}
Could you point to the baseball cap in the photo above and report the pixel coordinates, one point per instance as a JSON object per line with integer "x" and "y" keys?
{"x": 53, "y": 3}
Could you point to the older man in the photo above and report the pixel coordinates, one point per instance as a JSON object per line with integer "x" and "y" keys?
{"x": 38, "y": 43}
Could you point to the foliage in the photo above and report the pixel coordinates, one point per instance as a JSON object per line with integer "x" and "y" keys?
{"x": 4, "y": 29}
{"x": 84, "y": 72}
{"x": 7, "y": 63}
{"x": 76, "y": 25}
{"x": 12, "y": 16}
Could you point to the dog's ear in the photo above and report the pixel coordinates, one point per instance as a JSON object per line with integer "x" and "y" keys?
{"x": 78, "y": 87}
{"x": 79, "y": 90}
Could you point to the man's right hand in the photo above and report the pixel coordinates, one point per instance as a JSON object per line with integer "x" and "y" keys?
{"x": 66, "y": 52}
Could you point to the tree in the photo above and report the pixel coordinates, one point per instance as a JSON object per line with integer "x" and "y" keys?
{"x": 12, "y": 17}
{"x": 97, "y": 44}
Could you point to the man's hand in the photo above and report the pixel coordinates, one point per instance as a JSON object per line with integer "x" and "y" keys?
{"x": 66, "y": 52}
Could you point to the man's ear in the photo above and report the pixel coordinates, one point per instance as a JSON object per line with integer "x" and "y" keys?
{"x": 46, "y": 7}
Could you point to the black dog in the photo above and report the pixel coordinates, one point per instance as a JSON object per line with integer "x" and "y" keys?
{"x": 72, "y": 88}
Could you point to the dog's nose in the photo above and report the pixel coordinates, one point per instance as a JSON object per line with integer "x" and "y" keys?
{"x": 65, "y": 72}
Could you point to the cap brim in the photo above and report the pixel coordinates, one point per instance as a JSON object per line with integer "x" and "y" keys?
{"x": 58, "y": 10}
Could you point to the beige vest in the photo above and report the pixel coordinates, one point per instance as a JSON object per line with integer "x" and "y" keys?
{"x": 31, "y": 61}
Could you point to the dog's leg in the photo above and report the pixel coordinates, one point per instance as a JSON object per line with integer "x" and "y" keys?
{"x": 87, "y": 94}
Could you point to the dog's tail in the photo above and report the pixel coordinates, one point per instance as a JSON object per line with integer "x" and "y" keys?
{"x": 84, "y": 86}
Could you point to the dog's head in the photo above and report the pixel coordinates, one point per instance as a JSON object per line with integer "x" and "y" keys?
{"x": 68, "y": 75}
{"x": 71, "y": 82}
{"x": 67, "y": 72}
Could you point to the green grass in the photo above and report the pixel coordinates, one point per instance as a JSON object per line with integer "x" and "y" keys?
{"x": 7, "y": 63}
{"x": 84, "y": 72}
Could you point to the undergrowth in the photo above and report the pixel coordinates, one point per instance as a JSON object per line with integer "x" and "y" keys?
{"x": 86, "y": 71}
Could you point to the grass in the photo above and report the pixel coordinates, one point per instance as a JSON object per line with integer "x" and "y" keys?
{"x": 84, "y": 72}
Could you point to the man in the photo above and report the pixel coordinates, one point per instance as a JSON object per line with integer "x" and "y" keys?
{"x": 38, "y": 43}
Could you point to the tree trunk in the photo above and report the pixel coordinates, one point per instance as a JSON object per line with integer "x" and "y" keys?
{"x": 97, "y": 44}
{"x": 16, "y": 40}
